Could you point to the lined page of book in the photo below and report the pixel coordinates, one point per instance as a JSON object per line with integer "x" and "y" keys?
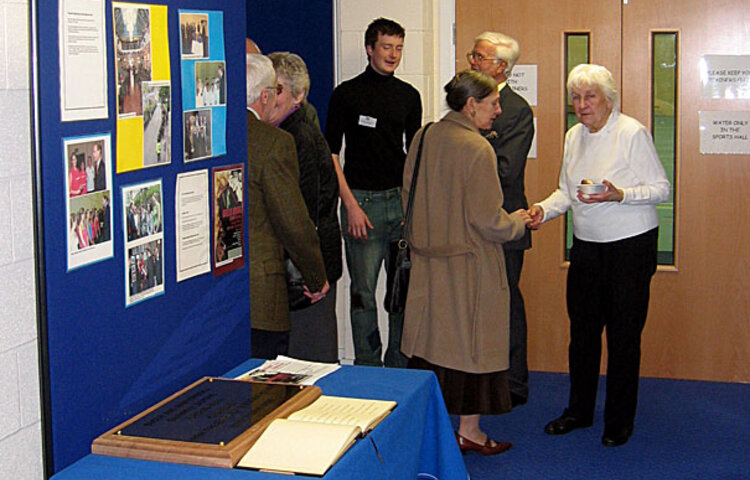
{"x": 299, "y": 447}
{"x": 345, "y": 411}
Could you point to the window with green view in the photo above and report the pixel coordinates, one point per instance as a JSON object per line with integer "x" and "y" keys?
{"x": 576, "y": 53}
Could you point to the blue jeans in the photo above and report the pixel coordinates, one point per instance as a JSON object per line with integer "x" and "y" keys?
{"x": 363, "y": 259}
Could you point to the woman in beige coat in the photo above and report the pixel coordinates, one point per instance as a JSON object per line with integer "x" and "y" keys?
{"x": 457, "y": 312}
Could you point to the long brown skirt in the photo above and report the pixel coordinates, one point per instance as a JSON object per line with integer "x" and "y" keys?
{"x": 469, "y": 393}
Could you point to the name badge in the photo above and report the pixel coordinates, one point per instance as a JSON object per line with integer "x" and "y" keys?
{"x": 366, "y": 121}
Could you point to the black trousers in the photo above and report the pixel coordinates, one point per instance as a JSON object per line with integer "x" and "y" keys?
{"x": 608, "y": 285}
{"x": 314, "y": 335}
{"x": 518, "y": 374}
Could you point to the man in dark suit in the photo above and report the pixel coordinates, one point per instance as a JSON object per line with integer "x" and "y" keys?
{"x": 511, "y": 134}
{"x": 278, "y": 219}
{"x": 131, "y": 223}
{"x": 100, "y": 170}
{"x": 105, "y": 219}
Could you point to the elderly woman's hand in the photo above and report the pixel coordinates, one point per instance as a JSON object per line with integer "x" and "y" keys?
{"x": 524, "y": 215}
{"x": 611, "y": 194}
{"x": 537, "y": 214}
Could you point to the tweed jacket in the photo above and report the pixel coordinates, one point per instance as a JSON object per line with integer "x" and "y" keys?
{"x": 511, "y": 135}
{"x": 278, "y": 221}
{"x": 457, "y": 309}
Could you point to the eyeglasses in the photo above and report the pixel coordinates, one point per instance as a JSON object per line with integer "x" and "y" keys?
{"x": 479, "y": 58}
{"x": 278, "y": 87}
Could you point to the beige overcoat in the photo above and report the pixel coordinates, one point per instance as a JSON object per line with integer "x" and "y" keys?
{"x": 457, "y": 309}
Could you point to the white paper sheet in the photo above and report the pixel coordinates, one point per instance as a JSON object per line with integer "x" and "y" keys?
{"x": 193, "y": 228}
{"x": 724, "y": 132}
{"x": 83, "y": 60}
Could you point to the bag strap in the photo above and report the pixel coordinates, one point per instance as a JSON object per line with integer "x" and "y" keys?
{"x": 407, "y": 214}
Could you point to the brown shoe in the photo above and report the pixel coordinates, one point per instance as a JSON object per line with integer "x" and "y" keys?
{"x": 466, "y": 445}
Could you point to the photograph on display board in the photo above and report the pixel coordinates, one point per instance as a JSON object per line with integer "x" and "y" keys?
{"x": 197, "y": 134}
{"x": 203, "y": 76}
{"x": 194, "y": 35}
{"x": 210, "y": 89}
{"x": 132, "y": 28}
{"x": 88, "y": 185}
{"x": 157, "y": 124}
{"x": 142, "y": 213}
{"x": 145, "y": 270}
{"x": 228, "y": 218}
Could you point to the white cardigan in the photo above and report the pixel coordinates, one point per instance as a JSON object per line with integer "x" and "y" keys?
{"x": 623, "y": 153}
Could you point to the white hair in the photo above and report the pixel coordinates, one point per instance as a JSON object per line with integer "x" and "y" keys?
{"x": 259, "y": 76}
{"x": 292, "y": 68}
{"x": 506, "y": 48}
{"x": 591, "y": 75}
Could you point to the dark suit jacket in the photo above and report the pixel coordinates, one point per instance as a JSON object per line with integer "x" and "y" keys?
{"x": 511, "y": 135}
{"x": 100, "y": 176}
{"x": 278, "y": 221}
{"x": 318, "y": 184}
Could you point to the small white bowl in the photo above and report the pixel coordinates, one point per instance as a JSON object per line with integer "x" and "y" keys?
{"x": 592, "y": 188}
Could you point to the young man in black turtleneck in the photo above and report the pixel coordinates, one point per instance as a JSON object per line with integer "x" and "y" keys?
{"x": 378, "y": 116}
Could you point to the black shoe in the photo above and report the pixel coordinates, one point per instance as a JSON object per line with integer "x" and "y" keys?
{"x": 516, "y": 400}
{"x": 565, "y": 424}
{"x": 614, "y": 437}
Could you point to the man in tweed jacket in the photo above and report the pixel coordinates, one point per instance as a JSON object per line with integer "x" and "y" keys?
{"x": 278, "y": 218}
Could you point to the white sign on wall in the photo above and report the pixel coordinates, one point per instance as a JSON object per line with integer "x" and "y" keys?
{"x": 523, "y": 82}
{"x": 725, "y": 76}
{"x": 725, "y": 132}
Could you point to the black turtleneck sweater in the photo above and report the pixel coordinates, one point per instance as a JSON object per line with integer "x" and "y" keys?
{"x": 374, "y": 112}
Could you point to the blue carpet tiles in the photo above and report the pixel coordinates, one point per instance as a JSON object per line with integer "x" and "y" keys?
{"x": 683, "y": 430}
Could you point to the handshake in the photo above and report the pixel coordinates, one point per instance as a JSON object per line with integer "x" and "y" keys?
{"x": 531, "y": 217}
{"x": 610, "y": 193}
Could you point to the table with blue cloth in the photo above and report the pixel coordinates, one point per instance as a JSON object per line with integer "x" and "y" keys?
{"x": 415, "y": 441}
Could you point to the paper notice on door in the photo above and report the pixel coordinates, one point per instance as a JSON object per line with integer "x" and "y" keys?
{"x": 725, "y": 132}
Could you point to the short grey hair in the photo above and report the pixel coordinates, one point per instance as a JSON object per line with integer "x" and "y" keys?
{"x": 591, "y": 75}
{"x": 259, "y": 76}
{"x": 467, "y": 84}
{"x": 293, "y": 70}
{"x": 506, "y": 48}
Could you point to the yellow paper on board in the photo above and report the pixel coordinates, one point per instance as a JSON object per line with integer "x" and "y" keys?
{"x": 159, "y": 44}
{"x": 129, "y": 147}
{"x": 129, "y": 144}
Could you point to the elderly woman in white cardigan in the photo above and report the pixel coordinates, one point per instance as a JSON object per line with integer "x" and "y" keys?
{"x": 615, "y": 231}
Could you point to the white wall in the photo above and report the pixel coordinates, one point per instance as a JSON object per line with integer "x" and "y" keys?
{"x": 20, "y": 430}
{"x": 425, "y": 64}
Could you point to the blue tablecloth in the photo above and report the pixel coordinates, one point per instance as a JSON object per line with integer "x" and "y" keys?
{"x": 414, "y": 442}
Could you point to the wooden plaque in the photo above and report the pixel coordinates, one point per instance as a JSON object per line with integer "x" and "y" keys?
{"x": 212, "y": 422}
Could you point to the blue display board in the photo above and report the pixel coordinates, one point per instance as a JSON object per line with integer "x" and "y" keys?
{"x": 103, "y": 361}
{"x": 275, "y": 25}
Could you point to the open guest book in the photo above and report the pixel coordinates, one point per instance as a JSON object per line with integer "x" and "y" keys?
{"x": 312, "y": 439}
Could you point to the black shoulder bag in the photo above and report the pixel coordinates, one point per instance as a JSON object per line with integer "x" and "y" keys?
{"x": 399, "y": 263}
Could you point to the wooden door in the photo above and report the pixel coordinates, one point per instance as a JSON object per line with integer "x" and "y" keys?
{"x": 699, "y": 320}
{"x": 699, "y": 323}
